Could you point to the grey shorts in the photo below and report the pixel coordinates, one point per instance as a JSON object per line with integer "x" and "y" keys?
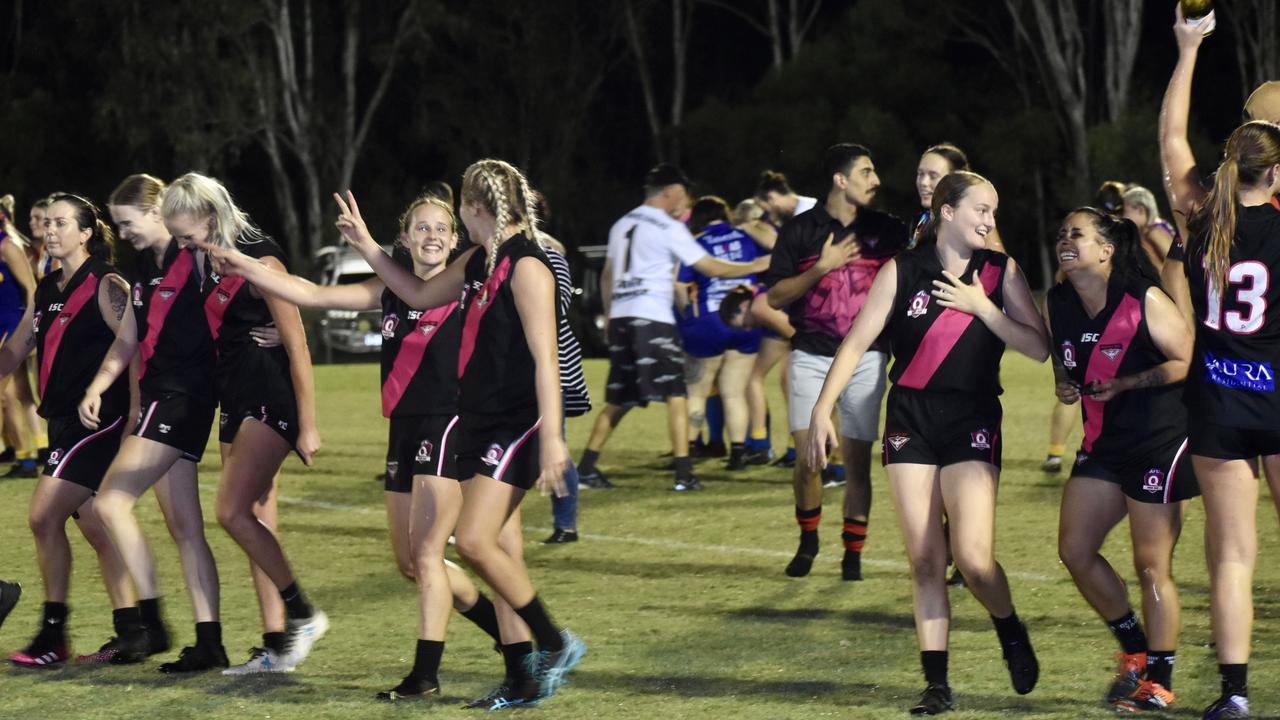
{"x": 858, "y": 404}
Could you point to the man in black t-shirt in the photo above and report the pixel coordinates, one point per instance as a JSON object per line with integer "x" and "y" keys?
{"x": 822, "y": 267}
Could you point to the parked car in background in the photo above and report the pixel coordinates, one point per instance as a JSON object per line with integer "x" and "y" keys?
{"x": 353, "y": 332}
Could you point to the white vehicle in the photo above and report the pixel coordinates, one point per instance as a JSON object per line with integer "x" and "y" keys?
{"x": 356, "y": 332}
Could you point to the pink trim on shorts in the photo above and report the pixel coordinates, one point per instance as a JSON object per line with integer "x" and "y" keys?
{"x": 147, "y": 419}
{"x": 444, "y": 446}
{"x": 67, "y": 458}
{"x": 514, "y": 448}
{"x": 1173, "y": 468}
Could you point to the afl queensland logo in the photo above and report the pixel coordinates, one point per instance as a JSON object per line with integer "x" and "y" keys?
{"x": 980, "y": 439}
{"x": 1112, "y": 351}
{"x": 35, "y": 322}
{"x": 389, "y": 325}
{"x": 424, "y": 451}
{"x": 1068, "y": 354}
{"x": 919, "y": 305}
{"x": 1153, "y": 481}
{"x": 137, "y": 295}
{"x": 493, "y": 455}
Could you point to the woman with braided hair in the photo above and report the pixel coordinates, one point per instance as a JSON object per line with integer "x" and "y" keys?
{"x": 509, "y": 412}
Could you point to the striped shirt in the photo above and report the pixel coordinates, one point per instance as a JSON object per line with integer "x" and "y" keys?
{"x": 573, "y": 385}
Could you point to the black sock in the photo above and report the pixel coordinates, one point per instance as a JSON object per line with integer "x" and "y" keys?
{"x": 149, "y": 609}
{"x": 53, "y": 624}
{"x": 737, "y": 450}
{"x": 588, "y": 464}
{"x": 934, "y": 663}
{"x": 1160, "y": 667}
{"x": 426, "y": 660}
{"x": 209, "y": 634}
{"x": 124, "y": 620}
{"x": 513, "y": 656}
{"x": 276, "y": 642}
{"x": 484, "y": 616}
{"x": 295, "y": 603}
{"x": 808, "y": 521}
{"x": 1235, "y": 679}
{"x": 684, "y": 468}
{"x": 1009, "y": 629}
{"x": 1129, "y": 632}
{"x": 539, "y": 622}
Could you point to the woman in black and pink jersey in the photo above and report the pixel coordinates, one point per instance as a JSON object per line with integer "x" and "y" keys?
{"x": 1233, "y": 247}
{"x": 509, "y": 411}
{"x": 948, "y": 307}
{"x": 419, "y": 395}
{"x": 1121, "y": 349}
{"x": 71, "y": 324}
{"x": 267, "y": 402}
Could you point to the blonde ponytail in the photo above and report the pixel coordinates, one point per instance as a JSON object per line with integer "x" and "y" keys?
{"x": 501, "y": 189}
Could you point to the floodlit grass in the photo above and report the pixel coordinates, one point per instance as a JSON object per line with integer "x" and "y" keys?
{"x": 681, "y": 598}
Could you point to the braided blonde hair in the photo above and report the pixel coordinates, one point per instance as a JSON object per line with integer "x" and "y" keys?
{"x": 502, "y": 190}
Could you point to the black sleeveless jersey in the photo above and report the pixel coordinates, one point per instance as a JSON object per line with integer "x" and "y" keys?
{"x": 495, "y": 367}
{"x": 1114, "y": 344}
{"x": 174, "y": 343}
{"x": 1232, "y": 376}
{"x": 232, "y": 311}
{"x": 71, "y": 339}
{"x": 941, "y": 349}
{"x": 419, "y": 358}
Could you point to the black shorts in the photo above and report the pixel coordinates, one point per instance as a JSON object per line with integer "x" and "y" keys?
{"x": 1231, "y": 443}
{"x": 419, "y": 445}
{"x": 280, "y": 417}
{"x": 502, "y": 447}
{"x": 80, "y": 455}
{"x": 934, "y": 428}
{"x": 177, "y": 420}
{"x": 1160, "y": 477}
{"x": 646, "y": 362}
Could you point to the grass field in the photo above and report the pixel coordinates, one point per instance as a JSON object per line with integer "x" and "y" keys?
{"x": 681, "y": 598}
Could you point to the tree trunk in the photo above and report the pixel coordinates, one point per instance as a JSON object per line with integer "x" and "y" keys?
{"x": 646, "y": 82}
{"x": 1255, "y": 25}
{"x": 1122, "y": 29}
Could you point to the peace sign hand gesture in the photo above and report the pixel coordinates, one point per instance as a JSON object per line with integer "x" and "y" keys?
{"x": 351, "y": 224}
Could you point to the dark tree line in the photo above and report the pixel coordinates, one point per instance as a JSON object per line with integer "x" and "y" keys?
{"x": 288, "y": 100}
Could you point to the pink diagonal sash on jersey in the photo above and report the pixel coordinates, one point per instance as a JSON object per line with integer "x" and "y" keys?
{"x": 215, "y": 306}
{"x": 159, "y": 308}
{"x": 409, "y": 359}
{"x": 943, "y": 335}
{"x": 53, "y": 338}
{"x": 1120, "y": 330}
{"x": 475, "y": 311}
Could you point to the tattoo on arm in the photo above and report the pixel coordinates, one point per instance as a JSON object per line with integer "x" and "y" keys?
{"x": 118, "y": 297}
{"x": 1154, "y": 377}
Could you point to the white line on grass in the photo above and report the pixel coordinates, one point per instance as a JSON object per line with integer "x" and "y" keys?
{"x": 649, "y": 542}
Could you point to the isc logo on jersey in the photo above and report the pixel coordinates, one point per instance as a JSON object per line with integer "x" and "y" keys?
{"x": 919, "y": 305}
{"x": 389, "y": 325}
